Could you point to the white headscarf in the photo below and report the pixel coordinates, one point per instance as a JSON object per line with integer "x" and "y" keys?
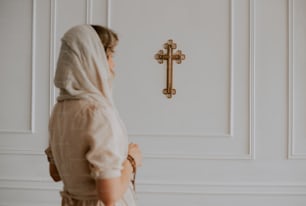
{"x": 82, "y": 69}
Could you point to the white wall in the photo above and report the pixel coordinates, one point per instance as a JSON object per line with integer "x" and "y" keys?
{"x": 244, "y": 141}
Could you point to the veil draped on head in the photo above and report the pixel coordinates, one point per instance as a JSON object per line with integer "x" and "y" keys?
{"x": 82, "y": 69}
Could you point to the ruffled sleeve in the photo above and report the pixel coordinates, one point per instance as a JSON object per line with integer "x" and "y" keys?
{"x": 105, "y": 153}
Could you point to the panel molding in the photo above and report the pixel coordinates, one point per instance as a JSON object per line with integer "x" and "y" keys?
{"x": 31, "y": 130}
{"x": 18, "y": 151}
{"x": 109, "y": 13}
{"x": 292, "y": 154}
{"x": 287, "y": 189}
{"x": 25, "y": 204}
{"x": 230, "y": 133}
{"x": 198, "y": 156}
{"x": 29, "y": 184}
{"x": 149, "y": 187}
{"x": 251, "y": 114}
{"x": 88, "y": 11}
{"x": 52, "y": 46}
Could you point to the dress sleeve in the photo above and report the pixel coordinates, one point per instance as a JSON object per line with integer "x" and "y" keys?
{"x": 104, "y": 155}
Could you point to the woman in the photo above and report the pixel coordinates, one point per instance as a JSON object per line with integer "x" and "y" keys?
{"x": 88, "y": 144}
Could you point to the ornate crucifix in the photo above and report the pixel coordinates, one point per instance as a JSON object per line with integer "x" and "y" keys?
{"x": 178, "y": 56}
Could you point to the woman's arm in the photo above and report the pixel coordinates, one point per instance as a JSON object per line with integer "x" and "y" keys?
{"x": 52, "y": 167}
{"x": 54, "y": 173}
{"x": 111, "y": 190}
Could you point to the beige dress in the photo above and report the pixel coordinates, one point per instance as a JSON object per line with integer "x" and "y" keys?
{"x": 87, "y": 142}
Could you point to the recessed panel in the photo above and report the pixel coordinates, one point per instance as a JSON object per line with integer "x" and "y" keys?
{"x": 202, "y": 30}
{"x": 16, "y": 62}
{"x": 68, "y": 15}
{"x": 299, "y": 76}
{"x": 210, "y": 117}
{"x": 99, "y": 12}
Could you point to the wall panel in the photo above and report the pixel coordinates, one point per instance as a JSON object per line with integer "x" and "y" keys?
{"x": 18, "y": 63}
{"x": 237, "y": 93}
{"x": 297, "y": 79}
{"x": 101, "y": 12}
{"x": 213, "y": 108}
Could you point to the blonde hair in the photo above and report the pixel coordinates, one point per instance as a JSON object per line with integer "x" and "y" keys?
{"x": 108, "y": 38}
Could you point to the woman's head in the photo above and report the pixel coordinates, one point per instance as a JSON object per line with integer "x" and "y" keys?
{"x": 83, "y": 68}
{"x": 108, "y": 38}
{"x": 109, "y": 41}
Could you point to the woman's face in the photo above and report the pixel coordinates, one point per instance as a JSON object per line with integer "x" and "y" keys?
{"x": 111, "y": 63}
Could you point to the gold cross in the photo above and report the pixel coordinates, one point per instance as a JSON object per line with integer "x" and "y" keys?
{"x": 178, "y": 56}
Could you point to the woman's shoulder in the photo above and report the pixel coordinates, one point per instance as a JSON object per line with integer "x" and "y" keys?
{"x": 95, "y": 112}
{"x": 79, "y": 107}
{"x": 90, "y": 107}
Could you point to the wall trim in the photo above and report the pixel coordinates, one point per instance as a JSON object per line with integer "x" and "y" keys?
{"x": 109, "y": 13}
{"x": 251, "y": 148}
{"x": 31, "y": 130}
{"x": 88, "y": 11}
{"x": 292, "y": 154}
{"x": 287, "y": 189}
{"x": 52, "y": 56}
{"x": 230, "y": 133}
{"x": 182, "y": 156}
{"x": 26, "y": 204}
{"x": 231, "y": 79}
{"x": 29, "y": 184}
{"x": 150, "y": 187}
{"x": 18, "y": 151}
{"x": 251, "y": 136}
{"x": 33, "y": 96}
